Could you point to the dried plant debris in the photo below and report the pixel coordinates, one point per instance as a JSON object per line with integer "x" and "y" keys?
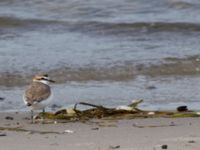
{"x": 152, "y": 126}
{"x": 18, "y": 129}
{"x": 130, "y": 111}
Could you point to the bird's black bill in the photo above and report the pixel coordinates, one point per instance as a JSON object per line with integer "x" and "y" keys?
{"x": 48, "y": 80}
{"x": 52, "y": 81}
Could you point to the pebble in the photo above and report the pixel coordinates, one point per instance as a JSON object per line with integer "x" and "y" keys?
{"x": 3, "y": 134}
{"x": 109, "y": 147}
{"x": 151, "y": 87}
{"x": 9, "y": 118}
{"x": 114, "y": 147}
{"x": 95, "y": 128}
{"x": 192, "y": 141}
{"x": 1, "y": 98}
{"x": 164, "y": 146}
{"x": 182, "y": 108}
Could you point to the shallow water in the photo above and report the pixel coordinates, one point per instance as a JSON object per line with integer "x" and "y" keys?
{"x": 106, "y": 52}
{"x": 158, "y": 93}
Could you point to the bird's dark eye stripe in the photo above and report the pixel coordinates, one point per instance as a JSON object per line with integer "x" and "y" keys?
{"x": 44, "y": 79}
{"x": 45, "y": 75}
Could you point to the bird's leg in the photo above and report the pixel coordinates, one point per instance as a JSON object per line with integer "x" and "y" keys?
{"x": 43, "y": 115}
{"x": 43, "y": 112}
{"x": 32, "y": 116}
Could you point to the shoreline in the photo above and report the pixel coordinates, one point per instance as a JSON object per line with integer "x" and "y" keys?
{"x": 134, "y": 134}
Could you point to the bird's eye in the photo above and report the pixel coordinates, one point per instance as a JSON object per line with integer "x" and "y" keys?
{"x": 43, "y": 79}
{"x": 45, "y": 75}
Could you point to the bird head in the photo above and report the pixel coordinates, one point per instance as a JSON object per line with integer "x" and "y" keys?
{"x": 43, "y": 78}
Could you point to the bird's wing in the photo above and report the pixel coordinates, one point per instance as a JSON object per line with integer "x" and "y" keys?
{"x": 37, "y": 92}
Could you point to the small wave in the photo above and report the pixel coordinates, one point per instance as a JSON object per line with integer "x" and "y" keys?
{"x": 142, "y": 27}
{"x": 126, "y": 72}
{"x": 62, "y": 75}
{"x": 12, "y": 22}
{"x": 183, "y": 5}
{"x": 99, "y": 27}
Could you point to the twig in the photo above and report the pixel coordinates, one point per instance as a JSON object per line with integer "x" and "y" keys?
{"x": 88, "y": 104}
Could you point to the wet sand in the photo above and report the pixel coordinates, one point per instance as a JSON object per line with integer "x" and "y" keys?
{"x": 136, "y": 134}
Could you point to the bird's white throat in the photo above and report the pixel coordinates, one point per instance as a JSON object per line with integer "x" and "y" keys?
{"x": 42, "y": 81}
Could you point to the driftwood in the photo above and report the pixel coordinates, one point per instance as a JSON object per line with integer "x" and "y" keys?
{"x": 130, "y": 111}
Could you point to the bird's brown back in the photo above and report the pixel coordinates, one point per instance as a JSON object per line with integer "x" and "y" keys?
{"x": 37, "y": 92}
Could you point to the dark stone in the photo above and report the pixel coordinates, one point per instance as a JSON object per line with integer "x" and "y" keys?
{"x": 151, "y": 87}
{"x": 164, "y": 146}
{"x": 114, "y": 147}
{"x": 9, "y": 118}
{"x": 191, "y": 141}
{"x": 3, "y": 134}
{"x": 95, "y": 128}
{"x": 1, "y": 98}
{"x": 182, "y": 108}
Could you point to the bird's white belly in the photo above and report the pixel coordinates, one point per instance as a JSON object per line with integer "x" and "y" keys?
{"x": 40, "y": 105}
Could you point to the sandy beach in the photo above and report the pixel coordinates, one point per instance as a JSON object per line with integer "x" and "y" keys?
{"x": 134, "y": 134}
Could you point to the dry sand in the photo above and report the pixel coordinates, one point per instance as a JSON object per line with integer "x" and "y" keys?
{"x": 136, "y": 134}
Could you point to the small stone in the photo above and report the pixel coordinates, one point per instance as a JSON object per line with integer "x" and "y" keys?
{"x": 3, "y": 134}
{"x": 192, "y": 141}
{"x": 151, "y": 87}
{"x": 1, "y": 98}
{"x": 172, "y": 124}
{"x": 9, "y": 118}
{"x": 95, "y": 128}
{"x": 164, "y": 146}
{"x": 182, "y": 108}
{"x": 114, "y": 147}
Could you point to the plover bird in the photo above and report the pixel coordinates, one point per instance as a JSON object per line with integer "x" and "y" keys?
{"x": 38, "y": 94}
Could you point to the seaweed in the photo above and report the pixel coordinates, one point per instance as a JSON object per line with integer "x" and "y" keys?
{"x": 130, "y": 111}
